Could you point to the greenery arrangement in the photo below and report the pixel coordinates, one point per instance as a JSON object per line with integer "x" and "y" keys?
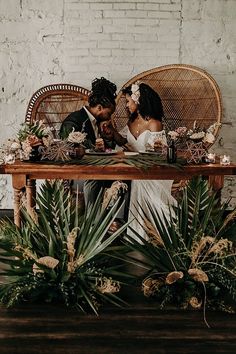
{"x": 142, "y": 161}
{"x": 63, "y": 253}
{"x": 191, "y": 259}
{"x": 66, "y": 254}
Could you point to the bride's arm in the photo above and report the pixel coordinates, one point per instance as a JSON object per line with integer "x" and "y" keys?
{"x": 155, "y": 125}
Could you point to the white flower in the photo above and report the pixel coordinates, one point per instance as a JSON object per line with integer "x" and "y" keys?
{"x": 15, "y": 146}
{"x": 76, "y": 137}
{"x": 189, "y": 132}
{"x": 197, "y": 136}
{"x": 209, "y": 138}
{"x": 173, "y": 134}
{"x": 135, "y": 93}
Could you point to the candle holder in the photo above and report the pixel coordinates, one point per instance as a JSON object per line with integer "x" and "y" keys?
{"x": 225, "y": 160}
{"x": 210, "y": 157}
{"x": 9, "y": 159}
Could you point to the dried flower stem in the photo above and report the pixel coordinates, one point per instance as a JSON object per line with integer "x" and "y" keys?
{"x": 204, "y": 306}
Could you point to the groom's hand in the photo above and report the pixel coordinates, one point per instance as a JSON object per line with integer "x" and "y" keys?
{"x": 107, "y": 131}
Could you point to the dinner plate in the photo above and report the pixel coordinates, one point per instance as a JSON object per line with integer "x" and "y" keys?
{"x": 151, "y": 152}
{"x": 131, "y": 153}
{"x": 105, "y": 153}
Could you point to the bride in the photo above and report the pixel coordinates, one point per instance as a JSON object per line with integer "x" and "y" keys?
{"x": 143, "y": 129}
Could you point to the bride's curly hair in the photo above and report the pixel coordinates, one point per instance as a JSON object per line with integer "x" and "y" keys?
{"x": 149, "y": 102}
{"x": 103, "y": 92}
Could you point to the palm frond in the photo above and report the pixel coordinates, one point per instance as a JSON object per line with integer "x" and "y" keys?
{"x": 194, "y": 248}
{"x": 62, "y": 254}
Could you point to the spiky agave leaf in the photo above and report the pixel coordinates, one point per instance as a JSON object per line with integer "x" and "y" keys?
{"x": 195, "y": 252}
{"x": 194, "y": 210}
{"x": 63, "y": 255}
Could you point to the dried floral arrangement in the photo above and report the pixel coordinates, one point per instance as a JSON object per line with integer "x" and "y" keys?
{"x": 35, "y": 142}
{"x": 62, "y": 254}
{"x": 182, "y": 135}
{"x": 28, "y": 138}
{"x": 194, "y": 142}
{"x": 191, "y": 258}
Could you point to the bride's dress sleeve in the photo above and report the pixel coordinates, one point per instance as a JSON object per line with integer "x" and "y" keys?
{"x": 124, "y": 131}
{"x": 154, "y": 136}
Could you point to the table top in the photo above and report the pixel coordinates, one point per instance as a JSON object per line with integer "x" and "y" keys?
{"x": 117, "y": 171}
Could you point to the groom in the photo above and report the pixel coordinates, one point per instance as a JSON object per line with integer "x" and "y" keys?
{"x": 101, "y": 105}
{"x": 89, "y": 120}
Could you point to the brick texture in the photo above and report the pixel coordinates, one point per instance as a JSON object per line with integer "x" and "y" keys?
{"x": 74, "y": 41}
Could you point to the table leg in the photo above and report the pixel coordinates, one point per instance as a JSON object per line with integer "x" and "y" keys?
{"x": 18, "y": 184}
{"x": 17, "y": 212}
{"x": 216, "y": 182}
{"x": 30, "y": 196}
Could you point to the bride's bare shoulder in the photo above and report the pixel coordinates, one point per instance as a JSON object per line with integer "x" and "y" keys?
{"x": 155, "y": 125}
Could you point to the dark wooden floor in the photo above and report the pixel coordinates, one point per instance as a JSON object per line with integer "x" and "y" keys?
{"x": 138, "y": 329}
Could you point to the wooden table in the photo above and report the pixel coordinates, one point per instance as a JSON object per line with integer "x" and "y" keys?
{"x": 25, "y": 174}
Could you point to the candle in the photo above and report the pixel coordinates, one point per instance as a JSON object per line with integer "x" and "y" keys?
{"x": 225, "y": 160}
{"x": 9, "y": 159}
{"x": 210, "y": 157}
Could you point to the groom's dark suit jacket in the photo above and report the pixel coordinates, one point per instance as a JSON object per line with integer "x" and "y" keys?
{"x": 80, "y": 121}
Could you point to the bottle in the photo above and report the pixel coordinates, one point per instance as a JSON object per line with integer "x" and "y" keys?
{"x": 171, "y": 152}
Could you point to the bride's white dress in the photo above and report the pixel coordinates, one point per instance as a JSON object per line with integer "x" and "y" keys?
{"x": 154, "y": 192}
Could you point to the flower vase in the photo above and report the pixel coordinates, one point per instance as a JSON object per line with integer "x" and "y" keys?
{"x": 35, "y": 154}
{"x": 78, "y": 152}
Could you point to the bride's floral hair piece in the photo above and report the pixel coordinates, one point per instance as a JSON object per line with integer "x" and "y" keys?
{"x": 135, "y": 92}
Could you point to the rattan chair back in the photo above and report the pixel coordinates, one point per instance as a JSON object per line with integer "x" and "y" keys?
{"x": 188, "y": 94}
{"x": 53, "y": 103}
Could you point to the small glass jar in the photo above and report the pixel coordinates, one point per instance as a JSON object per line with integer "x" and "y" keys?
{"x": 225, "y": 160}
{"x": 210, "y": 157}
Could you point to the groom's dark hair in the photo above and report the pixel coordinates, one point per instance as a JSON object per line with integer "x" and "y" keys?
{"x": 103, "y": 92}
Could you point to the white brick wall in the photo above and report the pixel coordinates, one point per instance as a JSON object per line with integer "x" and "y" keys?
{"x": 74, "y": 41}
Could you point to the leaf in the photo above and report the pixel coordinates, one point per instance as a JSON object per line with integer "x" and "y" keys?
{"x": 198, "y": 217}
{"x": 58, "y": 215}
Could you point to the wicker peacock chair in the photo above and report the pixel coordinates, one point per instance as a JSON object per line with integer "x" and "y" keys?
{"x": 53, "y": 103}
{"x": 188, "y": 94}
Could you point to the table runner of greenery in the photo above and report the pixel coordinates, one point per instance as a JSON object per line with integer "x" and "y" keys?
{"x": 139, "y": 161}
